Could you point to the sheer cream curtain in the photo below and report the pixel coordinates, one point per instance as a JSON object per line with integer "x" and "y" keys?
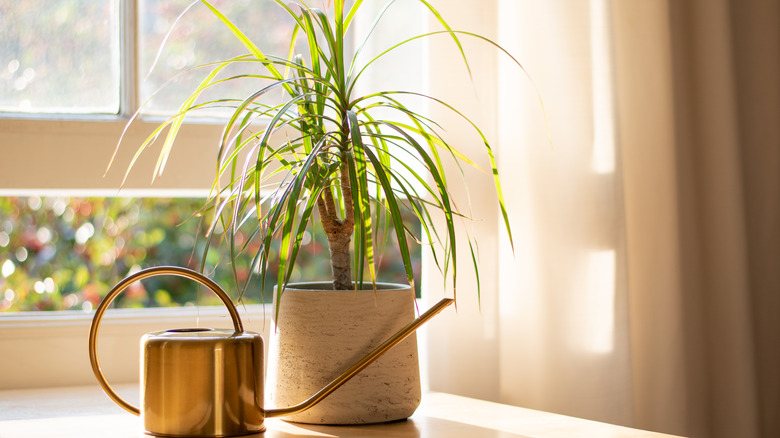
{"x": 563, "y": 301}
{"x": 644, "y": 285}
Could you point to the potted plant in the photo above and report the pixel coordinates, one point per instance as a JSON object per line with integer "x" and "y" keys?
{"x": 325, "y": 153}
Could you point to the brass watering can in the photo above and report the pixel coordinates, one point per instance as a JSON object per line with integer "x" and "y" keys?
{"x": 209, "y": 382}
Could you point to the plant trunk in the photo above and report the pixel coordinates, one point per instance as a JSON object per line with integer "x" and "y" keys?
{"x": 339, "y": 234}
{"x": 341, "y": 263}
{"x": 339, "y": 231}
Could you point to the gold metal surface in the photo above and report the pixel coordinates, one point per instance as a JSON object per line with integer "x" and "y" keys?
{"x": 207, "y": 382}
{"x": 202, "y": 383}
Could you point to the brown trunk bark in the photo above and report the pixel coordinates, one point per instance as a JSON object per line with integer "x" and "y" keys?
{"x": 341, "y": 263}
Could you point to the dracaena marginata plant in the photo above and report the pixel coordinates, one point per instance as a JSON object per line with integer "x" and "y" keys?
{"x": 340, "y": 154}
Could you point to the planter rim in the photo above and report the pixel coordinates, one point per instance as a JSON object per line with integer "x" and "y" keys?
{"x": 327, "y": 286}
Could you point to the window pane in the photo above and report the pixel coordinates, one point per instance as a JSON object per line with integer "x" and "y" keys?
{"x": 61, "y": 253}
{"x": 59, "y": 56}
{"x": 199, "y": 38}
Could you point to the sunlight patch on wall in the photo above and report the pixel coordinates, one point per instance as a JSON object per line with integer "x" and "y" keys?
{"x": 603, "y": 97}
{"x": 595, "y": 328}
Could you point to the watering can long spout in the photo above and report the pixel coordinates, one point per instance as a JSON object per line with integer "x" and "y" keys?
{"x": 220, "y": 364}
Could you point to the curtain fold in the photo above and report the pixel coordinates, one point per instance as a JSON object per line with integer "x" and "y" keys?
{"x": 756, "y": 59}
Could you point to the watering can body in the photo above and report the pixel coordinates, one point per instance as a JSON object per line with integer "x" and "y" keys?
{"x": 202, "y": 382}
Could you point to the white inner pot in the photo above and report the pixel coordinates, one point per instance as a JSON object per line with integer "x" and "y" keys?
{"x": 320, "y": 333}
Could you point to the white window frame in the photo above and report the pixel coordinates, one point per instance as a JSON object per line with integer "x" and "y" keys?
{"x": 47, "y": 349}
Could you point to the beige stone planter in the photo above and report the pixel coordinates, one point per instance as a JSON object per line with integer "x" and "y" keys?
{"x": 321, "y": 333}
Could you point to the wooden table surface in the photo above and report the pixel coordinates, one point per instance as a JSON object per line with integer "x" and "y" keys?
{"x": 86, "y": 412}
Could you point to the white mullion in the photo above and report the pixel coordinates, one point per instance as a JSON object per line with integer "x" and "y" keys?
{"x": 128, "y": 58}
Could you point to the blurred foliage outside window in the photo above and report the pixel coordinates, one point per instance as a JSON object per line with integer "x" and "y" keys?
{"x": 66, "y": 253}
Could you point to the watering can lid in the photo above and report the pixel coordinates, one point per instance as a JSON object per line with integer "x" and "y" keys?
{"x": 200, "y": 334}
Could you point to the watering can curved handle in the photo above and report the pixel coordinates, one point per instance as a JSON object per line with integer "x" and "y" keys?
{"x": 121, "y": 286}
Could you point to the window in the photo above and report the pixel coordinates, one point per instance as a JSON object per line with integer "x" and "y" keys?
{"x": 42, "y": 142}
{"x": 54, "y": 151}
{"x": 61, "y": 150}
